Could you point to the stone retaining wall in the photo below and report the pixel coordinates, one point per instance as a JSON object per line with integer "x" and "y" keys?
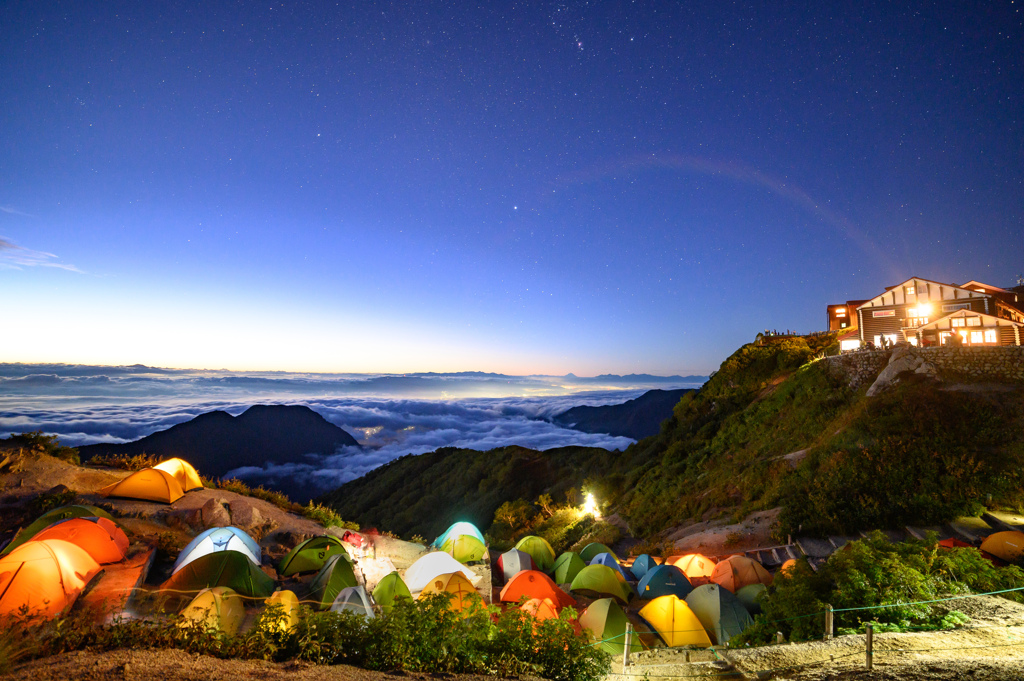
{"x": 1000, "y": 363}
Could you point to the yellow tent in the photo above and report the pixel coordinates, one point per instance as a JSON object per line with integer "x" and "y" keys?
{"x": 183, "y": 472}
{"x": 464, "y": 596}
{"x": 148, "y": 484}
{"x": 43, "y": 577}
{"x": 675, "y": 622}
{"x": 696, "y": 567}
{"x": 287, "y": 609}
{"x": 218, "y": 608}
{"x": 1006, "y": 545}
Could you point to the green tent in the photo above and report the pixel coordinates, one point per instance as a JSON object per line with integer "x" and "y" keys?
{"x": 221, "y": 568}
{"x": 461, "y": 527}
{"x": 53, "y": 516}
{"x": 310, "y": 555}
{"x": 602, "y": 581}
{"x": 335, "y": 575}
{"x": 591, "y": 551}
{"x": 719, "y": 611}
{"x": 465, "y": 548}
{"x": 389, "y": 590}
{"x": 607, "y": 622}
{"x": 567, "y": 567}
{"x": 540, "y": 551}
{"x": 749, "y": 596}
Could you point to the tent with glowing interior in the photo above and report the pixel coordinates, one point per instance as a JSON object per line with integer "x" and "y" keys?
{"x": 100, "y": 538}
{"x": 719, "y": 611}
{"x": 534, "y": 584}
{"x": 219, "y": 608}
{"x": 431, "y": 565}
{"x": 463, "y": 597}
{"x": 1008, "y": 546}
{"x": 696, "y": 567}
{"x": 285, "y": 608}
{"x": 335, "y": 575}
{"x": 461, "y": 527}
{"x": 642, "y": 564}
{"x": 597, "y": 581}
{"x": 736, "y": 572}
{"x": 567, "y": 567}
{"x": 221, "y": 568}
{"x": 675, "y": 622}
{"x": 52, "y": 516}
{"x": 609, "y": 560}
{"x": 512, "y": 562}
{"x": 42, "y": 578}
{"x": 218, "y": 539}
{"x": 149, "y": 484}
{"x": 541, "y": 553}
{"x": 664, "y": 580}
{"x": 606, "y": 620}
{"x": 389, "y": 590}
{"x": 590, "y": 551}
{"x": 540, "y": 609}
{"x": 353, "y": 599}
{"x": 310, "y": 555}
{"x": 465, "y": 548}
{"x": 183, "y": 472}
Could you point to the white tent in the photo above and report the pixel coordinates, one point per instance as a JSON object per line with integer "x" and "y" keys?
{"x": 430, "y": 566}
{"x": 353, "y": 599}
{"x": 218, "y": 539}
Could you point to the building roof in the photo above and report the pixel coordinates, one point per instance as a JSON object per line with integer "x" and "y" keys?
{"x": 943, "y": 323}
{"x": 893, "y": 290}
{"x": 984, "y": 288}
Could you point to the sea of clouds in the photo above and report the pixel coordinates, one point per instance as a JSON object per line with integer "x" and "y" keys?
{"x": 390, "y": 416}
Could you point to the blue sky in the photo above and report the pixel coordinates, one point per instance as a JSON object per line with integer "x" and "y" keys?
{"x": 517, "y": 187}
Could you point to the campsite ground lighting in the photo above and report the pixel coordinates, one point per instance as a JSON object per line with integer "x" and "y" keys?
{"x": 590, "y": 506}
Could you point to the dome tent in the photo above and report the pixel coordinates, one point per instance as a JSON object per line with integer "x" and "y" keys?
{"x": 603, "y": 581}
{"x": 219, "y": 608}
{"x": 675, "y": 622}
{"x": 457, "y": 529}
{"x": 44, "y": 577}
{"x": 664, "y": 580}
{"x": 149, "y": 484}
{"x": 310, "y": 555}
{"x": 540, "y": 551}
{"x": 221, "y": 568}
{"x": 642, "y": 564}
{"x": 541, "y": 609}
{"x": 606, "y": 620}
{"x": 287, "y": 605}
{"x": 696, "y": 567}
{"x": 1008, "y": 546}
{"x": 183, "y": 472}
{"x": 463, "y": 599}
{"x": 750, "y": 597}
{"x": 353, "y": 599}
{"x": 719, "y": 611}
{"x": 567, "y": 567}
{"x": 218, "y": 539}
{"x": 590, "y": 551}
{"x": 512, "y": 562}
{"x": 390, "y": 589}
{"x": 431, "y": 565}
{"x": 100, "y": 538}
{"x": 534, "y": 584}
{"x": 736, "y": 572}
{"x": 465, "y": 548}
{"x": 335, "y": 575}
{"x": 52, "y": 516}
{"x": 609, "y": 560}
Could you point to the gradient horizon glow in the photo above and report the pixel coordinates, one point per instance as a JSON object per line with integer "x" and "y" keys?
{"x": 525, "y": 188}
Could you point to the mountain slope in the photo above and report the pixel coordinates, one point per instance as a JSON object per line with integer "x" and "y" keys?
{"x": 638, "y": 418}
{"x": 217, "y": 442}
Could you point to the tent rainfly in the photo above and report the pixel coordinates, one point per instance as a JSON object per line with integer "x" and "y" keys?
{"x": 389, "y": 590}
{"x": 719, "y": 611}
{"x": 183, "y": 472}
{"x": 52, "y": 516}
{"x": 461, "y": 527}
{"x": 540, "y": 551}
{"x": 42, "y": 578}
{"x": 310, "y": 555}
{"x": 642, "y": 565}
{"x": 149, "y": 484}
{"x": 675, "y": 622}
{"x": 602, "y": 581}
{"x": 335, "y": 575}
{"x": 353, "y": 599}
{"x": 590, "y": 551}
{"x": 696, "y": 567}
{"x": 606, "y": 620}
{"x": 221, "y": 568}
{"x": 534, "y": 584}
{"x": 218, "y": 539}
{"x": 512, "y": 562}
{"x": 567, "y": 567}
{"x": 663, "y": 581}
{"x": 1008, "y": 546}
{"x": 463, "y": 597}
{"x": 465, "y": 548}
{"x": 609, "y": 560}
{"x": 431, "y": 565}
{"x": 736, "y": 572}
{"x": 286, "y": 605}
{"x": 100, "y": 538}
{"x": 219, "y": 608}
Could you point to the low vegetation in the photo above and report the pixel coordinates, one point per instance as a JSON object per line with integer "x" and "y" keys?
{"x": 34, "y": 444}
{"x": 884, "y": 583}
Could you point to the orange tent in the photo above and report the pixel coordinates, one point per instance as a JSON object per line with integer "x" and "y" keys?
{"x": 464, "y": 596}
{"x": 148, "y": 484}
{"x": 788, "y": 567}
{"x": 43, "y": 577}
{"x": 696, "y": 567}
{"x": 736, "y": 572}
{"x": 541, "y": 609}
{"x": 100, "y": 538}
{"x": 183, "y": 472}
{"x": 1008, "y": 546}
{"x": 535, "y": 584}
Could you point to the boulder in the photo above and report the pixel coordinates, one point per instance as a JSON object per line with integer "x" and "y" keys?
{"x": 215, "y": 514}
{"x": 245, "y": 516}
{"x": 904, "y": 360}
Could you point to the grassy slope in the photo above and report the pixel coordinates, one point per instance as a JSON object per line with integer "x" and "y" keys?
{"x": 914, "y": 455}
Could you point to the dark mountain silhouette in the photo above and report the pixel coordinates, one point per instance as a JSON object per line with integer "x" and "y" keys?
{"x": 217, "y": 442}
{"x": 637, "y": 418}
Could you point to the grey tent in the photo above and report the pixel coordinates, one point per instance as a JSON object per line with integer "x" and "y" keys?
{"x": 513, "y": 562}
{"x": 719, "y": 611}
{"x": 353, "y": 599}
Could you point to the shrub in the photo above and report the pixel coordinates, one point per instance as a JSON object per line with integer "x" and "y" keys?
{"x": 35, "y": 444}
{"x": 134, "y": 462}
{"x": 326, "y": 516}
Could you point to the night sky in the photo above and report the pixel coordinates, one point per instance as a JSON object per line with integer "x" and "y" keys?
{"x": 518, "y": 187}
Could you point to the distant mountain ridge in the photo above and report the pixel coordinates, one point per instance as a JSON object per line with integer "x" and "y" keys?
{"x": 638, "y": 418}
{"x": 217, "y": 442}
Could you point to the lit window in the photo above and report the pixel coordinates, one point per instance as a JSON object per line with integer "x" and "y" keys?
{"x": 910, "y": 290}
{"x": 974, "y": 321}
{"x": 943, "y": 337}
{"x": 990, "y": 336}
{"x": 840, "y": 313}
{"x": 843, "y": 325}
{"x": 913, "y": 340}
{"x": 959, "y": 321}
{"x": 977, "y": 337}
{"x": 840, "y": 310}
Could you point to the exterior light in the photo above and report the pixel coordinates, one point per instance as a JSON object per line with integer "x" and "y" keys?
{"x": 590, "y": 506}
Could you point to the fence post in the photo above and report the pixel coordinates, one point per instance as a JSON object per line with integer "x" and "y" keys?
{"x": 629, "y": 643}
{"x": 779, "y": 638}
{"x": 870, "y": 650}
{"x": 828, "y": 622}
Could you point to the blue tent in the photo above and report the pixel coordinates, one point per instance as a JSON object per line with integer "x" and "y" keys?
{"x": 455, "y": 530}
{"x": 642, "y": 565}
{"x": 664, "y": 580}
{"x": 609, "y": 560}
{"x": 218, "y": 539}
